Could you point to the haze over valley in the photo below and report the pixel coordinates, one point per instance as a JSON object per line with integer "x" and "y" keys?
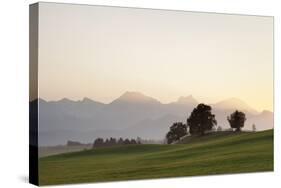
{"x": 133, "y": 114}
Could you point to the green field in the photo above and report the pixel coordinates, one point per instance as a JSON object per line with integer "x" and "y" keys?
{"x": 213, "y": 154}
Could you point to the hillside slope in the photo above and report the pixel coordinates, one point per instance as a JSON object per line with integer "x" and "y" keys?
{"x": 235, "y": 153}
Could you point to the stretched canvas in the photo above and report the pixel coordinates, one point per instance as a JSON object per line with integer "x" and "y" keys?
{"x": 130, "y": 93}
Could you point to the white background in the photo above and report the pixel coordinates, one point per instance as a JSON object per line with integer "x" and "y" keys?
{"x": 14, "y": 92}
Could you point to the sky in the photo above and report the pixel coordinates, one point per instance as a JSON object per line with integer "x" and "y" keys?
{"x": 101, "y": 52}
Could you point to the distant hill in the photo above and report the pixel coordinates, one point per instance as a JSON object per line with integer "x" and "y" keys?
{"x": 132, "y": 114}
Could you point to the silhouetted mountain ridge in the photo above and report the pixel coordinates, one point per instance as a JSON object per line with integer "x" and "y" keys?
{"x": 134, "y": 97}
{"x": 131, "y": 114}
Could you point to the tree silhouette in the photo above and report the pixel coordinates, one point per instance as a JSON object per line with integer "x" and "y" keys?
{"x": 201, "y": 119}
{"x": 219, "y": 129}
{"x": 126, "y": 141}
{"x": 106, "y": 142}
{"x": 133, "y": 141}
{"x": 237, "y": 120}
{"x": 120, "y": 141}
{"x": 177, "y": 130}
{"x": 98, "y": 142}
{"x": 112, "y": 141}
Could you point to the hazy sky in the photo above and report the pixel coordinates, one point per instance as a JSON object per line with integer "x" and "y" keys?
{"x": 101, "y": 52}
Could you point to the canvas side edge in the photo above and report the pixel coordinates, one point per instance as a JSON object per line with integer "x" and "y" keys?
{"x": 33, "y": 93}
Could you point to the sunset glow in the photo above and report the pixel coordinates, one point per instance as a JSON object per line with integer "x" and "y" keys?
{"x": 100, "y": 53}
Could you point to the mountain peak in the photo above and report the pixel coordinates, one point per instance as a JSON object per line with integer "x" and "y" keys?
{"x": 90, "y": 101}
{"x": 187, "y": 100}
{"x": 65, "y": 100}
{"x": 235, "y": 103}
{"x": 136, "y": 97}
{"x": 86, "y": 99}
{"x": 232, "y": 101}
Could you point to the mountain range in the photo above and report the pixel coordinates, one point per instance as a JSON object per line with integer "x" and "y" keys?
{"x": 132, "y": 114}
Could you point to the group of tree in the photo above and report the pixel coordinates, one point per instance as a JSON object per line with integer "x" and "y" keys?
{"x": 74, "y": 143}
{"x": 100, "y": 142}
{"x": 202, "y": 120}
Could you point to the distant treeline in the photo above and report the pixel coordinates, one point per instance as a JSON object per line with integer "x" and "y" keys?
{"x": 74, "y": 143}
{"x": 100, "y": 142}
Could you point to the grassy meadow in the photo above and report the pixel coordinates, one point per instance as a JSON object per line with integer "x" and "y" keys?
{"x": 211, "y": 154}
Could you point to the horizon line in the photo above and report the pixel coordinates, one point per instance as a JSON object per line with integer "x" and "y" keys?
{"x": 175, "y": 101}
